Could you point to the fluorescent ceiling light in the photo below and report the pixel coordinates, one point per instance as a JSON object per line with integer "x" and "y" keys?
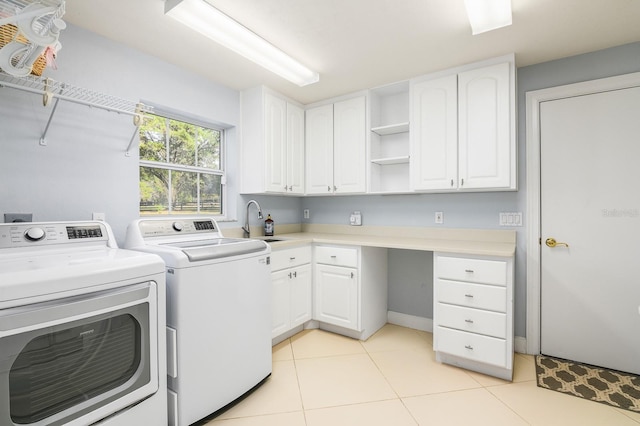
{"x": 487, "y": 15}
{"x": 209, "y": 21}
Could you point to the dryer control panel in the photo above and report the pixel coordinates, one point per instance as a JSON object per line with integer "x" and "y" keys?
{"x": 26, "y": 234}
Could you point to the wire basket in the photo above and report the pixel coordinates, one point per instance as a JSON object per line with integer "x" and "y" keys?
{"x": 9, "y": 33}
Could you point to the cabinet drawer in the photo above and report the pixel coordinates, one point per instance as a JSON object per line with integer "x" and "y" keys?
{"x": 472, "y": 295}
{"x": 290, "y": 257}
{"x": 488, "y": 350}
{"x": 472, "y": 320}
{"x": 338, "y": 256}
{"x": 472, "y": 270}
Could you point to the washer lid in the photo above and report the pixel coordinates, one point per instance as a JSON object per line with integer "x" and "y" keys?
{"x": 217, "y": 248}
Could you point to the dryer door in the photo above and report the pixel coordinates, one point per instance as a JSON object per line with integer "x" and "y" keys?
{"x": 77, "y": 359}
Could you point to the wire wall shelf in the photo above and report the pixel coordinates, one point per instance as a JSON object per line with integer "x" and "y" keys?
{"x": 11, "y": 10}
{"x": 54, "y": 91}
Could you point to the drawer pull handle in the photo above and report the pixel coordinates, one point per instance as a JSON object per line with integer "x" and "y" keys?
{"x": 333, "y": 256}
{"x": 469, "y": 295}
{"x": 470, "y": 271}
{"x": 469, "y": 347}
{"x": 470, "y": 321}
{"x": 292, "y": 258}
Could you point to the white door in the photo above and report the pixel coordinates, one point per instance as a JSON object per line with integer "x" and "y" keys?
{"x": 275, "y": 139}
{"x": 349, "y": 146}
{"x": 280, "y": 302}
{"x": 434, "y": 134}
{"x": 485, "y": 147}
{"x": 301, "y": 297}
{"x": 336, "y": 296}
{"x": 295, "y": 149}
{"x": 590, "y": 201}
{"x": 319, "y": 150}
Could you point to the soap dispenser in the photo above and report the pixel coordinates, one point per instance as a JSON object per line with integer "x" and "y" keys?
{"x": 268, "y": 226}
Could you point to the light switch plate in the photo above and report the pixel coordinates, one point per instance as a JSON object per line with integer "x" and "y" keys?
{"x": 510, "y": 218}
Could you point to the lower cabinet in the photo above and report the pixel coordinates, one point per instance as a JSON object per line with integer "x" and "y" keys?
{"x": 473, "y": 312}
{"x": 350, "y": 289}
{"x": 291, "y": 282}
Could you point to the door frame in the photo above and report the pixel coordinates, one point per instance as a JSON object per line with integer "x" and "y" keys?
{"x": 533, "y": 101}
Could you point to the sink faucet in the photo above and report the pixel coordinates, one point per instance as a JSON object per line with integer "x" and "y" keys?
{"x": 245, "y": 228}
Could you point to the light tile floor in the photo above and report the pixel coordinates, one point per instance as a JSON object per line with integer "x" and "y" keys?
{"x": 393, "y": 379}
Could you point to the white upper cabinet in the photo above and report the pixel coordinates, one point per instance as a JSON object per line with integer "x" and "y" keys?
{"x": 463, "y": 130}
{"x": 434, "y": 134}
{"x": 319, "y": 150}
{"x": 295, "y": 149}
{"x": 485, "y": 143}
{"x": 272, "y": 135}
{"x": 335, "y": 137}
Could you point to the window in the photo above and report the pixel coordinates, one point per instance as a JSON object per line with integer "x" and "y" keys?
{"x": 181, "y": 167}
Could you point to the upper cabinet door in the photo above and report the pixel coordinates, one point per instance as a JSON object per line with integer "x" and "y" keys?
{"x": 319, "y": 150}
{"x": 275, "y": 132}
{"x": 295, "y": 149}
{"x": 486, "y": 148}
{"x": 349, "y": 145}
{"x": 434, "y": 134}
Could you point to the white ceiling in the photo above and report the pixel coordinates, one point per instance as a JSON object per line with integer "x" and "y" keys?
{"x": 359, "y": 44}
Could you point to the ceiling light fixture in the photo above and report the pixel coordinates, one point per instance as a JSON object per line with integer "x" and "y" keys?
{"x": 209, "y": 21}
{"x": 487, "y": 15}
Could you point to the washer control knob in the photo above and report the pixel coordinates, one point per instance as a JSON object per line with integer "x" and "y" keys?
{"x": 34, "y": 234}
{"x": 178, "y": 226}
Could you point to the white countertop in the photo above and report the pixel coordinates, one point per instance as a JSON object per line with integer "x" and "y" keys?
{"x": 463, "y": 241}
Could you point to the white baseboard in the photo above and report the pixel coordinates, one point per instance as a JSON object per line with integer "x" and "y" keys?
{"x": 520, "y": 344}
{"x": 410, "y": 321}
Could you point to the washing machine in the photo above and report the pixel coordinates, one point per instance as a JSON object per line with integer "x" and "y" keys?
{"x": 82, "y": 328}
{"x": 218, "y": 312}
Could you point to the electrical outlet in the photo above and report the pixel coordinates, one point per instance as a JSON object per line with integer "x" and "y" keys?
{"x": 439, "y": 217}
{"x": 17, "y": 217}
{"x": 355, "y": 219}
{"x": 305, "y": 213}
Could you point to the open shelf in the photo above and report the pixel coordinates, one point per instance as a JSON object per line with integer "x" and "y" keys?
{"x": 391, "y": 129}
{"x": 403, "y": 159}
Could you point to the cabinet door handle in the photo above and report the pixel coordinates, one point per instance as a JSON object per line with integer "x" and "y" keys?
{"x": 352, "y": 275}
{"x": 469, "y": 271}
{"x": 295, "y": 274}
{"x": 292, "y": 258}
{"x": 289, "y": 275}
{"x": 291, "y": 188}
{"x": 470, "y": 321}
{"x": 462, "y": 182}
{"x": 285, "y": 187}
{"x": 333, "y": 256}
{"x": 468, "y": 347}
{"x": 469, "y": 295}
{"x": 328, "y": 188}
{"x": 452, "y": 183}
{"x": 335, "y": 188}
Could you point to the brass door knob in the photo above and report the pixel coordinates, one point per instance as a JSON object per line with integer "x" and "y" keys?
{"x": 551, "y": 242}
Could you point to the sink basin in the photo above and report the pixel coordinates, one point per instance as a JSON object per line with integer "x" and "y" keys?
{"x": 272, "y": 240}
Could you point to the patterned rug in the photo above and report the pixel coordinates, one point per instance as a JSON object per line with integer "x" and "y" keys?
{"x": 598, "y": 384}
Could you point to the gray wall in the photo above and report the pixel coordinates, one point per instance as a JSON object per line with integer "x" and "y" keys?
{"x": 477, "y": 210}
{"x": 84, "y": 168}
